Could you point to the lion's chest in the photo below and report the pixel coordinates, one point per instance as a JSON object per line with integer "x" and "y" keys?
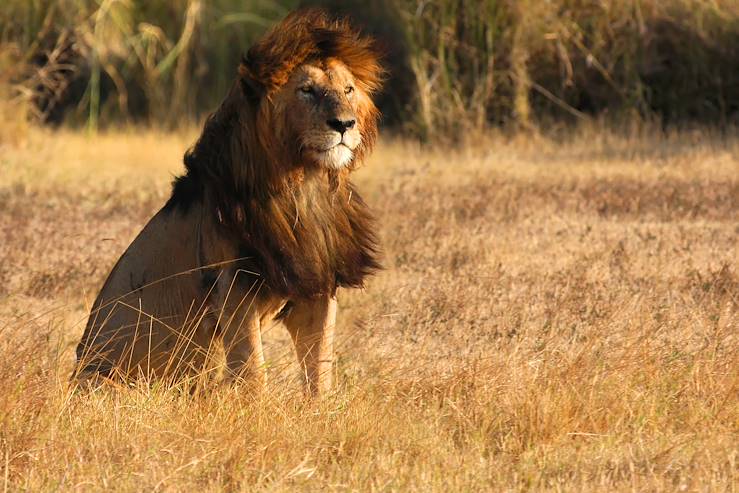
{"x": 309, "y": 245}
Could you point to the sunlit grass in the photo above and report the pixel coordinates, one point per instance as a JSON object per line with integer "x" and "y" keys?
{"x": 555, "y": 314}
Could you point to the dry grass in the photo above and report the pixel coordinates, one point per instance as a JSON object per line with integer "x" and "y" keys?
{"x": 555, "y": 315}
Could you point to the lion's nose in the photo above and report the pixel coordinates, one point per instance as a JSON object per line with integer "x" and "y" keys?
{"x": 339, "y": 125}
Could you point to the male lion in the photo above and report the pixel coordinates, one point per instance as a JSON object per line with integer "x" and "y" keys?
{"x": 264, "y": 224}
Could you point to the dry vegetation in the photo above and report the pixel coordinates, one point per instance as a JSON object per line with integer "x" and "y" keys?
{"x": 554, "y": 314}
{"x": 455, "y": 64}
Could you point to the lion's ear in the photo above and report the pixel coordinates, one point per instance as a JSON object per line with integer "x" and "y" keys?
{"x": 252, "y": 88}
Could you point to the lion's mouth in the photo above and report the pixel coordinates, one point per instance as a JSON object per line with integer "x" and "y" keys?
{"x": 338, "y": 145}
{"x": 336, "y": 156}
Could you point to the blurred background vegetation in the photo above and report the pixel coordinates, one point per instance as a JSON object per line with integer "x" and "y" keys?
{"x": 455, "y": 65}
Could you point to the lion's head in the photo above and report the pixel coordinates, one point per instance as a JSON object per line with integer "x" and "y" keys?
{"x": 314, "y": 77}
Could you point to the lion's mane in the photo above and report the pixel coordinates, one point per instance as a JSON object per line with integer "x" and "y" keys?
{"x": 304, "y": 230}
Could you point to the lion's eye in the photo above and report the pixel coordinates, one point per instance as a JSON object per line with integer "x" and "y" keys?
{"x": 349, "y": 90}
{"x": 306, "y": 90}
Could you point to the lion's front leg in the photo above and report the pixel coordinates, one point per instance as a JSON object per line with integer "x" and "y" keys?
{"x": 311, "y": 325}
{"x": 244, "y": 352}
{"x": 240, "y": 328}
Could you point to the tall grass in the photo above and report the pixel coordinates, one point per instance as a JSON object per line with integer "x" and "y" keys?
{"x": 496, "y": 61}
{"x": 85, "y": 60}
{"x": 456, "y": 65}
{"x": 557, "y": 315}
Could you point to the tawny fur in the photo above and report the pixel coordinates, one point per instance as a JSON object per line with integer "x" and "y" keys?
{"x": 263, "y": 223}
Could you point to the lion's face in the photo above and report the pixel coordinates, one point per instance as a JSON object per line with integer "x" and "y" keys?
{"x": 321, "y": 107}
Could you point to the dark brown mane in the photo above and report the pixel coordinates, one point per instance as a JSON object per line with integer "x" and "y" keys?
{"x": 304, "y": 230}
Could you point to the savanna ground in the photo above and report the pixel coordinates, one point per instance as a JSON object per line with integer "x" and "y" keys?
{"x": 555, "y": 314}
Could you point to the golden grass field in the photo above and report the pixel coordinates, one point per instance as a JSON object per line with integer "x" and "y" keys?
{"x": 555, "y": 314}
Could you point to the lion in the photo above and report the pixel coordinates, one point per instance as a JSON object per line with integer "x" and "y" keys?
{"x": 263, "y": 226}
